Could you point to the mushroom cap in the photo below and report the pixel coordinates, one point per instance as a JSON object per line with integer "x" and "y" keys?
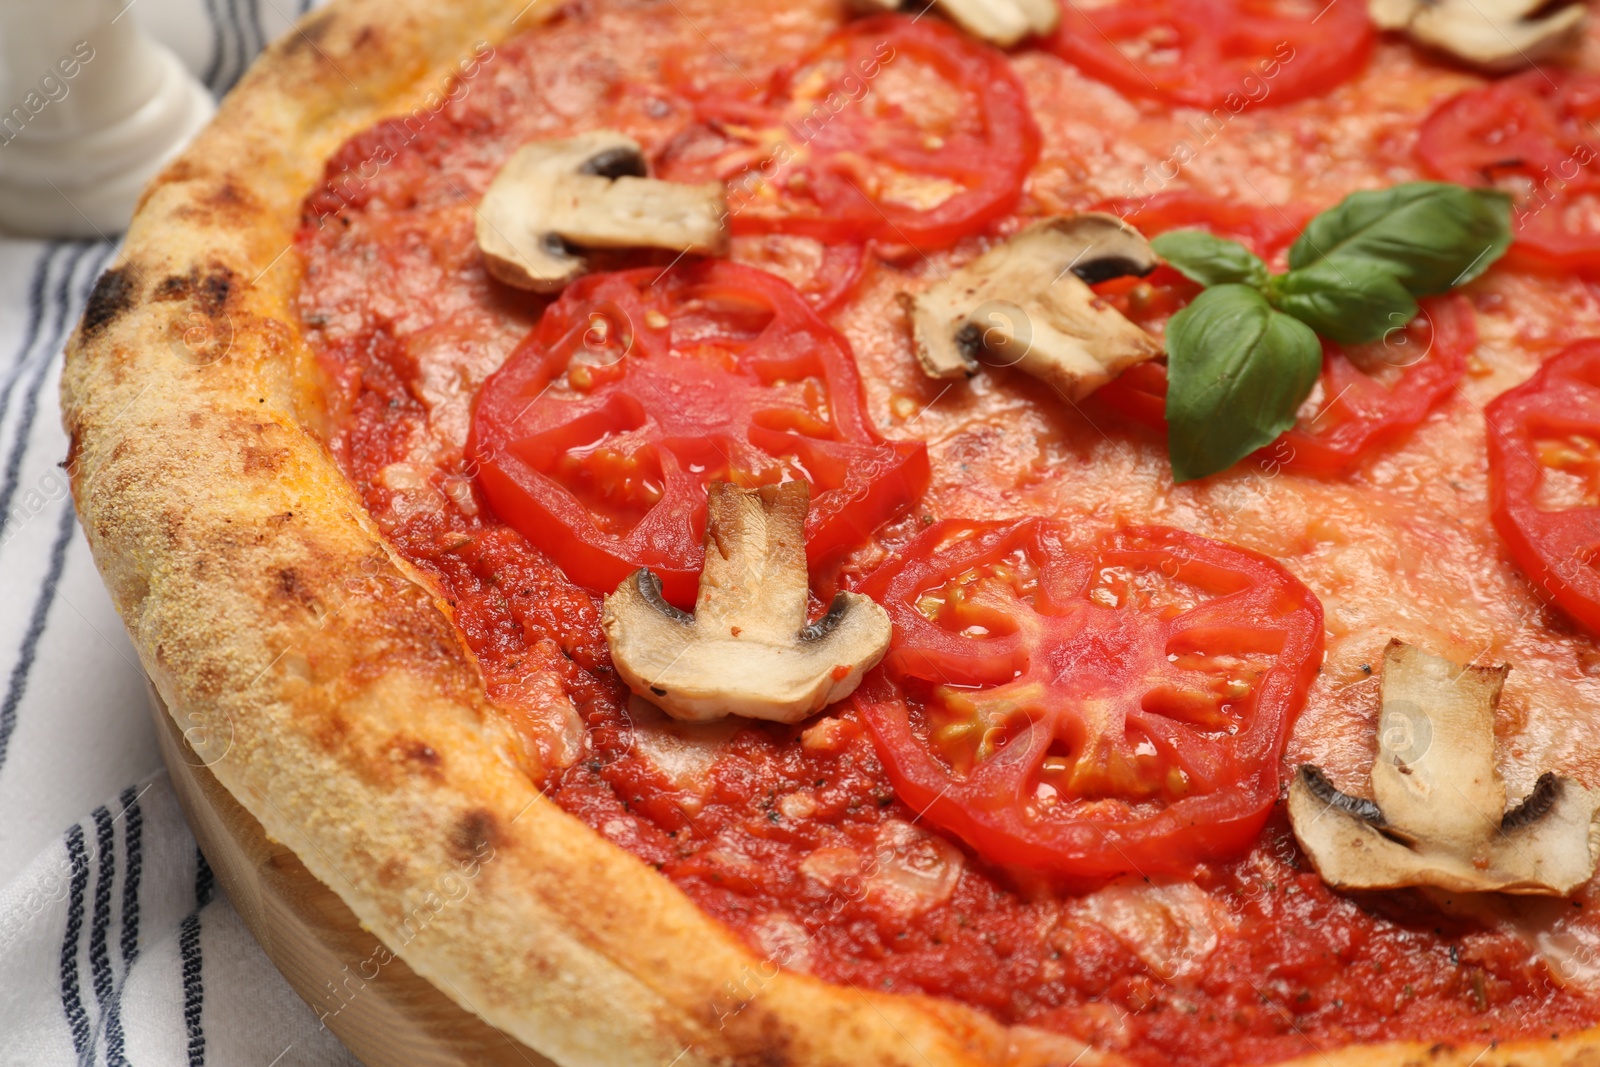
{"x": 1027, "y": 303}
{"x": 1000, "y": 22}
{"x": 1440, "y": 818}
{"x": 747, "y": 649}
{"x": 1004, "y": 22}
{"x": 1492, "y": 35}
{"x": 589, "y": 191}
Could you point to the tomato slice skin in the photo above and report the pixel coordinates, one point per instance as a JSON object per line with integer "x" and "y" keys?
{"x": 1359, "y": 416}
{"x": 816, "y": 163}
{"x": 1536, "y": 129}
{"x": 843, "y": 268}
{"x": 597, "y": 437}
{"x": 1202, "y": 650}
{"x": 837, "y": 269}
{"x": 1229, "y": 53}
{"x": 1558, "y": 548}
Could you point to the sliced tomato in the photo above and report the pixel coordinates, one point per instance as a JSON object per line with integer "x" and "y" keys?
{"x": 897, "y": 129}
{"x": 1139, "y": 394}
{"x": 838, "y": 277}
{"x": 1089, "y": 709}
{"x": 1533, "y": 135}
{"x": 1544, "y": 478}
{"x": 1369, "y": 396}
{"x": 827, "y": 275}
{"x": 598, "y": 436}
{"x": 1233, "y": 54}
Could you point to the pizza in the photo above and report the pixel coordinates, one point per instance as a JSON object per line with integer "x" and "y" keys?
{"x": 984, "y": 534}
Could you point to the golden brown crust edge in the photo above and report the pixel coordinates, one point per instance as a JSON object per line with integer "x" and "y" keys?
{"x": 323, "y": 682}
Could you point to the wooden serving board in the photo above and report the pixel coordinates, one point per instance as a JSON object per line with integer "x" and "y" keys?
{"x": 395, "y": 1019}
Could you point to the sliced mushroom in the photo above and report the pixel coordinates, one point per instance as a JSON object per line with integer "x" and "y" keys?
{"x": 1001, "y": 22}
{"x": 594, "y": 192}
{"x": 1027, "y": 303}
{"x": 747, "y": 649}
{"x": 1493, "y": 35}
{"x": 1439, "y": 815}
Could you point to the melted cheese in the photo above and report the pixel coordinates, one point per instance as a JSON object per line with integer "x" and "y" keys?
{"x": 1171, "y": 928}
{"x": 684, "y": 752}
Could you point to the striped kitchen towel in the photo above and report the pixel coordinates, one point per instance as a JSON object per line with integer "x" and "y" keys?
{"x": 115, "y": 945}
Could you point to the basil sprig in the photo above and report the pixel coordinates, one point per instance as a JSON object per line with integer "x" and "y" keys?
{"x": 1210, "y": 260}
{"x": 1351, "y": 303}
{"x": 1244, "y": 356}
{"x": 1432, "y": 236}
{"x": 1246, "y": 367}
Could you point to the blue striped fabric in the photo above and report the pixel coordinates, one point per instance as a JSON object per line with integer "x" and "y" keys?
{"x": 115, "y": 947}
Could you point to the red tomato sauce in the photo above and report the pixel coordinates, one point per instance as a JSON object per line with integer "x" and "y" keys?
{"x": 792, "y": 836}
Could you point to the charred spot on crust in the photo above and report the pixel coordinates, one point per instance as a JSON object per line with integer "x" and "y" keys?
{"x": 179, "y": 170}
{"x": 209, "y": 289}
{"x": 113, "y": 294}
{"x": 331, "y": 732}
{"x": 269, "y": 460}
{"x": 291, "y": 588}
{"x": 475, "y": 835}
{"x": 172, "y": 287}
{"x": 414, "y": 756}
{"x": 288, "y": 583}
{"x": 214, "y": 290}
{"x": 392, "y": 872}
{"x": 219, "y": 202}
{"x": 310, "y": 33}
{"x": 229, "y": 194}
{"x": 420, "y": 752}
{"x": 770, "y": 1040}
{"x": 748, "y": 1029}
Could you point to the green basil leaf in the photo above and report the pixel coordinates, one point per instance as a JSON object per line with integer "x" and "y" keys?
{"x": 1351, "y": 302}
{"x": 1209, "y": 260}
{"x": 1432, "y": 236}
{"x": 1237, "y": 371}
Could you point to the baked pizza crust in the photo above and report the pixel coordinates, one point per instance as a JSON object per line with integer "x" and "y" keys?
{"x": 319, "y": 674}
